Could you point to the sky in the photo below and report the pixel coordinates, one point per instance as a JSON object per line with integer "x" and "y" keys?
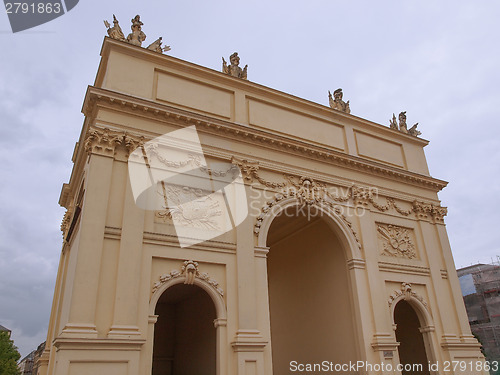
{"x": 437, "y": 60}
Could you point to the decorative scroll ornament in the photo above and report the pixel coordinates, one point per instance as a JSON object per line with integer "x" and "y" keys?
{"x": 136, "y": 37}
{"x": 396, "y": 241}
{"x": 190, "y": 271}
{"x": 402, "y": 127}
{"x": 234, "y": 69}
{"x": 407, "y": 292}
{"x": 359, "y": 195}
{"x": 337, "y": 103}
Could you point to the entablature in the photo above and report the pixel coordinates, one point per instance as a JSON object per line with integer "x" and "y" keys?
{"x": 106, "y": 99}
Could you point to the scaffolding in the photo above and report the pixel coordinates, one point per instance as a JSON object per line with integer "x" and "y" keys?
{"x": 480, "y": 285}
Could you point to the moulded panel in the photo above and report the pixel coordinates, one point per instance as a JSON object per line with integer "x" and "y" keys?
{"x": 378, "y": 149}
{"x": 194, "y": 94}
{"x": 268, "y": 116}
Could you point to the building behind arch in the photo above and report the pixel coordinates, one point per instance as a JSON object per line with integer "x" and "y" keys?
{"x": 319, "y": 226}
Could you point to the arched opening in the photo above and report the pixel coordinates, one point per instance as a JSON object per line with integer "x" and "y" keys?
{"x": 310, "y": 302}
{"x": 411, "y": 342}
{"x": 184, "y": 334}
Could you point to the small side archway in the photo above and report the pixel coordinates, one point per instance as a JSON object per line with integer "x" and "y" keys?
{"x": 414, "y": 327}
{"x": 187, "y": 290}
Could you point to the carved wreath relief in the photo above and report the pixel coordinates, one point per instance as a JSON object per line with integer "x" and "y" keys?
{"x": 396, "y": 241}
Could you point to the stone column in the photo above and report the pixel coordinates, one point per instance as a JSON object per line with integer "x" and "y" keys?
{"x": 248, "y": 343}
{"x": 125, "y": 318}
{"x": 375, "y": 301}
{"x": 83, "y": 299}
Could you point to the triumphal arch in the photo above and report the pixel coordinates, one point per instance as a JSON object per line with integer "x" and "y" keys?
{"x": 216, "y": 226}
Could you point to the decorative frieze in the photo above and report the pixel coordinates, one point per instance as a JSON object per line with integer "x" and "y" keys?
{"x": 396, "y": 241}
{"x": 190, "y": 272}
{"x": 308, "y": 190}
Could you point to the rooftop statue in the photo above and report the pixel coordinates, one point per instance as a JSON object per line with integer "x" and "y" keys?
{"x": 337, "y": 103}
{"x": 234, "y": 69}
{"x": 156, "y": 46}
{"x": 137, "y": 36}
{"x": 115, "y": 32}
{"x": 402, "y": 127}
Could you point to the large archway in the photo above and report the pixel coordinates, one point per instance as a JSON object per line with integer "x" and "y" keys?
{"x": 310, "y": 297}
{"x": 411, "y": 348}
{"x": 184, "y": 334}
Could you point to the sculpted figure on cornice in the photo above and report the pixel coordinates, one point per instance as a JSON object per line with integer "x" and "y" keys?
{"x": 402, "y": 126}
{"x": 234, "y": 69}
{"x": 115, "y": 32}
{"x": 137, "y": 36}
{"x": 337, "y": 103}
{"x": 156, "y": 46}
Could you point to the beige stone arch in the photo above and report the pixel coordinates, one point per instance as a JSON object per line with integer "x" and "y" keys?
{"x": 216, "y": 295}
{"x": 347, "y": 237}
{"x": 421, "y": 308}
{"x": 338, "y": 224}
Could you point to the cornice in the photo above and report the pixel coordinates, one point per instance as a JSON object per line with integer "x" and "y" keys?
{"x": 98, "y": 97}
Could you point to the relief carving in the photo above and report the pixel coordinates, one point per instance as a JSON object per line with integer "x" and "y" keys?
{"x": 396, "y": 241}
{"x": 106, "y": 141}
{"x": 190, "y": 207}
{"x": 308, "y": 192}
{"x": 190, "y": 271}
{"x": 407, "y": 292}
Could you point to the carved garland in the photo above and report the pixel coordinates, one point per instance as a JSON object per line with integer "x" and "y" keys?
{"x": 408, "y": 293}
{"x": 360, "y": 196}
{"x": 190, "y": 271}
{"x": 105, "y": 141}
